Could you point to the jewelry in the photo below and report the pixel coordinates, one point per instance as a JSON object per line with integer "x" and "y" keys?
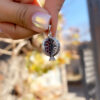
{"x": 51, "y": 47}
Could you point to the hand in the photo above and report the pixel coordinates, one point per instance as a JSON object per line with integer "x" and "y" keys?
{"x": 53, "y": 7}
{"x": 19, "y": 20}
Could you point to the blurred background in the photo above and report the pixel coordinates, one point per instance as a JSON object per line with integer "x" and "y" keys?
{"x": 27, "y": 74}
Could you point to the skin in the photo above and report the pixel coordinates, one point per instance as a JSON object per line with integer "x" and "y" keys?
{"x": 15, "y": 17}
{"x": 53, "y": 7}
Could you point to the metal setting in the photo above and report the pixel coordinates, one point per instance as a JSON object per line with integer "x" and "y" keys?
{"x": 51, "y": 47}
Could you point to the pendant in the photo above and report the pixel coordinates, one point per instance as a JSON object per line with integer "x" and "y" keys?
{"x": 51, "y": 47}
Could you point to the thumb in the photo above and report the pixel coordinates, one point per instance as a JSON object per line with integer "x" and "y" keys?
{"x": 26, "y": 15}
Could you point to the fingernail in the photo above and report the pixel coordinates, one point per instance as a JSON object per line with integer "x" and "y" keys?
{"x": 41, "y": 20}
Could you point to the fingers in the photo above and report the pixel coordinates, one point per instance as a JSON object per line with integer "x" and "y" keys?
{"x": 14, "y": 31}
{"x": 54, "y": 22}
{"x": 51, "y": 7}
{"x": 25, "y": 15}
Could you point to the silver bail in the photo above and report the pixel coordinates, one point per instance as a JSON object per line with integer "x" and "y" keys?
{"x": 50, "y": 34}
{"x": 52, "y": 58}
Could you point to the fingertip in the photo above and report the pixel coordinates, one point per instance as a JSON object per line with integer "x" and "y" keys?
{"x": 54, "y": 34}
{"x": 53, "y": 30}
{"x": 54, "y": 22}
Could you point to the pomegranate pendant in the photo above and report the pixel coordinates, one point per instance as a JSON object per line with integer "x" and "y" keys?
{"x": 51, "y": 47}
